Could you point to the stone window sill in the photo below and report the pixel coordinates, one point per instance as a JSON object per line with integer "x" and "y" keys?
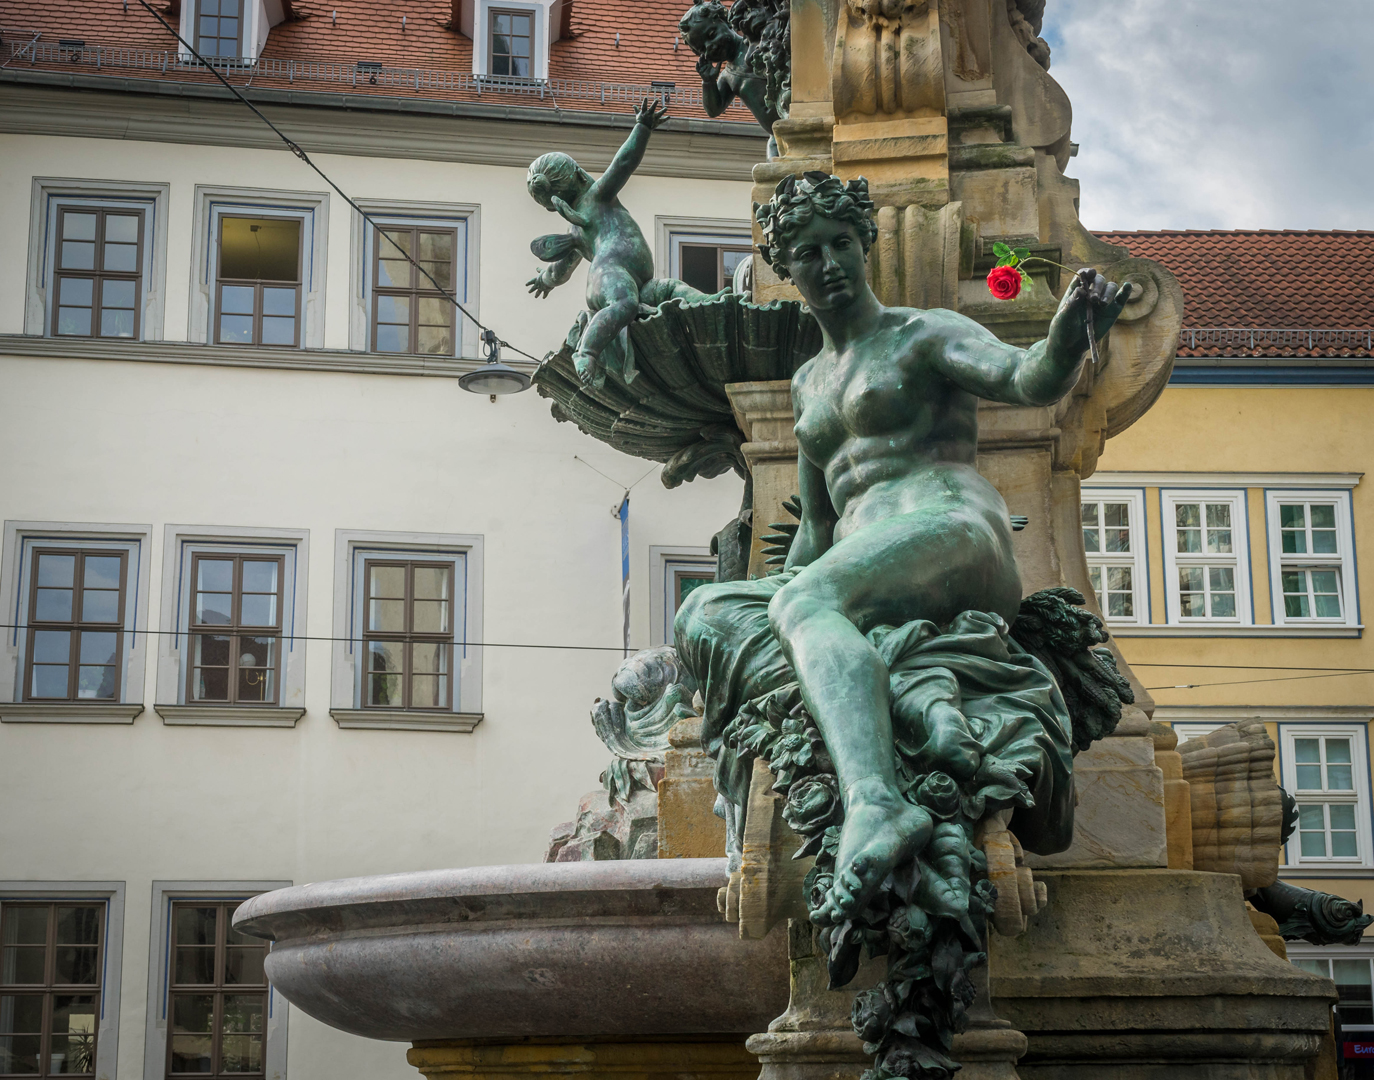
{"x": 401, "y": 720}
{"x": 229, "y": 715}
{"x": 69, "y": 712}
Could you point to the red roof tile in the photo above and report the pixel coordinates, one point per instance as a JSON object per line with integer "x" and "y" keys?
{"x": 628, "y": 43}
{"x": 1260, "y": 279}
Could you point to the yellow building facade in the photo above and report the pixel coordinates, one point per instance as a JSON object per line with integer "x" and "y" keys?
{"x": 1224, "y": 531}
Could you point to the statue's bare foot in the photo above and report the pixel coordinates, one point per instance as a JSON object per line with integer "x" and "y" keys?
{"x": 881, "y": 829}
{"x": 589, "y": 369}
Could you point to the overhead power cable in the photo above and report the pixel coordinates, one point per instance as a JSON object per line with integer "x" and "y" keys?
{"x": 295, "y": 149}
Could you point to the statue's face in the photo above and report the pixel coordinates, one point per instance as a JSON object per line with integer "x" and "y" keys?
{"x": 715, "y": 41}
{"x": 826, "y": 261}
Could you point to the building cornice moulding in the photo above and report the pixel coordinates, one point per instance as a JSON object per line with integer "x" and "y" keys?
{"x": 76, "y": 712}
{"x": 1174, "y": 630}
{"x": 401, "y": 720}
{"x": 92, "y": 106}
{"x": 228, "y": 715}
{"x": 1226, "y": 480}
{"x": 242, "y": 356}
{"x": 1225, "y": 714}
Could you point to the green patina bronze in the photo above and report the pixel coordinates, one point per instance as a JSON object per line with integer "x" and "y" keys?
{"x": 621, "y": 276}
{"x": 743, "y": 52}
{"x": 892, "y": 675}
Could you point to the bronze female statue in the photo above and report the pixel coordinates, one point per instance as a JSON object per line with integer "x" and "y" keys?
{"x": 897, "y": 525}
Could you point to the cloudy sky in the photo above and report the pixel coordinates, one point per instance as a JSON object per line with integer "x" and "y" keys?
{"x": 1219, "y": 114}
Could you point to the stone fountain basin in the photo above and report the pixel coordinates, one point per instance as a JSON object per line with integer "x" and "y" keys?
{"x": 592, "y": 949}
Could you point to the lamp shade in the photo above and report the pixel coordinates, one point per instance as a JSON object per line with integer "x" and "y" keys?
{"x": 495, "y": 378}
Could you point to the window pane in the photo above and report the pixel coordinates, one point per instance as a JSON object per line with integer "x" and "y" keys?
{"x": 214, "y": 606}
{"x": 384, "y": 690}
{"x": 25, "y": 925}
{"x": 385, "y": 656}
{"x": 428, "y": 692}
{"x": 1292, "y": 516}
{"x": 393, "y": 269}
{"x": 257, "y": 663}
{"x": 122, "y": 228}
{"x": 18, "y": 1053}
{"x": 441, "y": 272}
{"x": 236, "y": 329}
{"x": 76, "y": 291}
{"x": 52, "y": 646}
{"x": 1095, "y": 579}
{"x": 1323, "y": 515}
{"x": 244, "y": 966}
{"x": 431, "y": 582}
{"x": 1219, "y": 541}
{"x": 54, "y": 604}
{"x": 237, "y": 299}
{"x": 1337, "y": 750}
{"x": 49, "y": 681}
{"x": 1339, "y": 778}
{"x": 1324, "y": 541}
{"x": 500, "y": 65}
{"x": 21, "y": 1013}
{"x": 428, "y": 657}
{"x": 196, "y": 926}
{"x": 278, "y": 331}
{"x": 1294, "y": 543}
{"x": 101, "y": 571}
{"x": 78, "y": 925}
{"x": 1090, "y": 515}
{"x": 195, "y": 965}
{"x": 1120, "y": 605}
{"x": 78, "y": 226}
{"x": 211, "y": 650}
{"x": 1218, "y": 515}
{"x": 520, "y": 65}
{"x": 279, "y": 302}
{"x": 1188, "y": 515}
{"x": 434, "y": 312}
{"x": 393, "y": 309}
{"x": 74, "y": 321}
{"x": 241, "y": 1054}
{"x": 56, "y": 570}
{"x": 96, "y": 682}
{"x": 260, "y": 575}
{"x": 387, "y": 581}
{"x": 387, "y": 616}
{"x": 77, "y": 255}
{"x": 431, "y": 616}
{"x": 191, "y": 1053}
{"x": 1223, "y": 605}
{"x": 20, "y": 964}
{"x": 73, "y": 1039}
{"x": 1342, "y": 816}
{"x": 121, "y": 258}
{"x": 100, "y": 605}
{"x": 393, "y": 338}
{"x": 434, "y": 341}
{"x": 700, "y": 266}
{"x": 259, "y": 609}
{"x": 260, "y": 249}
{"x": 1343, "y": 845}
{"x": 1309, "y": 778}
{"x": 98, "y": 647}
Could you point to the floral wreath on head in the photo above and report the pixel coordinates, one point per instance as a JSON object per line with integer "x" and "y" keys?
{"x": 796, "y": 200}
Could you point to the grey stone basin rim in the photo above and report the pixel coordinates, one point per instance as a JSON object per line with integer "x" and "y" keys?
{"x": 678, "y": 888}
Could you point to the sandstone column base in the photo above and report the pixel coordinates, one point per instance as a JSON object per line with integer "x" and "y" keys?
{"x": 810, "y": 1055}
{"x": 682, "y": 1058}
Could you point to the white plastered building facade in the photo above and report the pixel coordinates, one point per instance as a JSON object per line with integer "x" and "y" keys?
{"x": 198, "y": 451}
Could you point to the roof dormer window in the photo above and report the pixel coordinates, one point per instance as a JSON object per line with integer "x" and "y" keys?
{"x": 219, "y": 25}
{"x": 512, "y": 40}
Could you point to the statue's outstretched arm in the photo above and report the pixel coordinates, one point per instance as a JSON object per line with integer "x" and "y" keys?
{"x": 976, "y": 360}
{"x": 648, "y": 116}
{"x": 553, "y": 275}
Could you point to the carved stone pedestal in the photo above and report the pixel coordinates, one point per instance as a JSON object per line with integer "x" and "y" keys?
{"x": 813, "y": 1039}
{"x": 1154, "y": 975}
{"x": 645, "y": 1059}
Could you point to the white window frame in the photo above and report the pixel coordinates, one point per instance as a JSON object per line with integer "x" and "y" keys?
{"x": 662, "y": 562}
{"x": 19, "y": 540}
{"x": 1359, "y": 756}
{"x": 463, "y": 216}
{"x": 311, "y": 208}
{"x": 1324, "y": 954}
{"x": 180, "y": 544}
{"x": 159, "y": 937}
{"x": 257, "y": 19}
{"x": 1240, "y": 557}
{"x": 542, "y": 14}
{"x": 1137, "y": 558}
{"x": 671, "y": 232}
{"x": 49, "y": 195}
{"x": 352, "y": 548}
{"x": 1343, "y": 561}
{"x": 112, "y": 894}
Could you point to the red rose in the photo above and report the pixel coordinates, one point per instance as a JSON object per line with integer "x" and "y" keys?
{"x": 1004, "y": 282}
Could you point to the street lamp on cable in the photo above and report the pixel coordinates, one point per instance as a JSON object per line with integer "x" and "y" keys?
{"x": 494, "y": 377}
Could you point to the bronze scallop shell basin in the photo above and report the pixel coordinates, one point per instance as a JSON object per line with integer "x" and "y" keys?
{"x": 673, "y": 406}
{"x": 634, "y": 947}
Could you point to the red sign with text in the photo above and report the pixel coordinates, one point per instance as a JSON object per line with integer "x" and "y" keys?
{"x": 1359, "y": 1049}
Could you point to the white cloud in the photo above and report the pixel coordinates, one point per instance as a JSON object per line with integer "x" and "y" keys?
{"x": 1224, "y": 114}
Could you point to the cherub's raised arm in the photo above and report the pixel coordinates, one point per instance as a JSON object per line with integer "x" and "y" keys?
{"x": 974, "y": 359}
{"x": 647, "y": 117}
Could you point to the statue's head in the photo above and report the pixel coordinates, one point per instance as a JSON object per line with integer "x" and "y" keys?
{"x": 555, "y": 174}
{"x": 706, "y": 29}
{"x": 817, "y": 230}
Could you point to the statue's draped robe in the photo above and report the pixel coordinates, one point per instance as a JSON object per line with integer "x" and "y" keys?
{"x": 1014, "y": 709}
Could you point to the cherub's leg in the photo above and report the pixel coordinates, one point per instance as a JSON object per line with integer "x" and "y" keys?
{"x": 932, "y": 565}
{"x": 950, "y": 746}
{"x": 613, "y": 296}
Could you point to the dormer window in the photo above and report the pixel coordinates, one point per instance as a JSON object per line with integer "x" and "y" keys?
{"x": 219, "y": 25}
{"x": 512, "y": 40}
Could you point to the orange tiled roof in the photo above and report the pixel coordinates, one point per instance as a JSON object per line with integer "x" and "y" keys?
{"x": 1267, "y": 279}
{"x": 616, "y": 42}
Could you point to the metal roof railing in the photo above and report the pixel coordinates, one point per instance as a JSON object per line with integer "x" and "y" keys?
{"x": 1255, "y": 339}
{"x": 362, "y": 72}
